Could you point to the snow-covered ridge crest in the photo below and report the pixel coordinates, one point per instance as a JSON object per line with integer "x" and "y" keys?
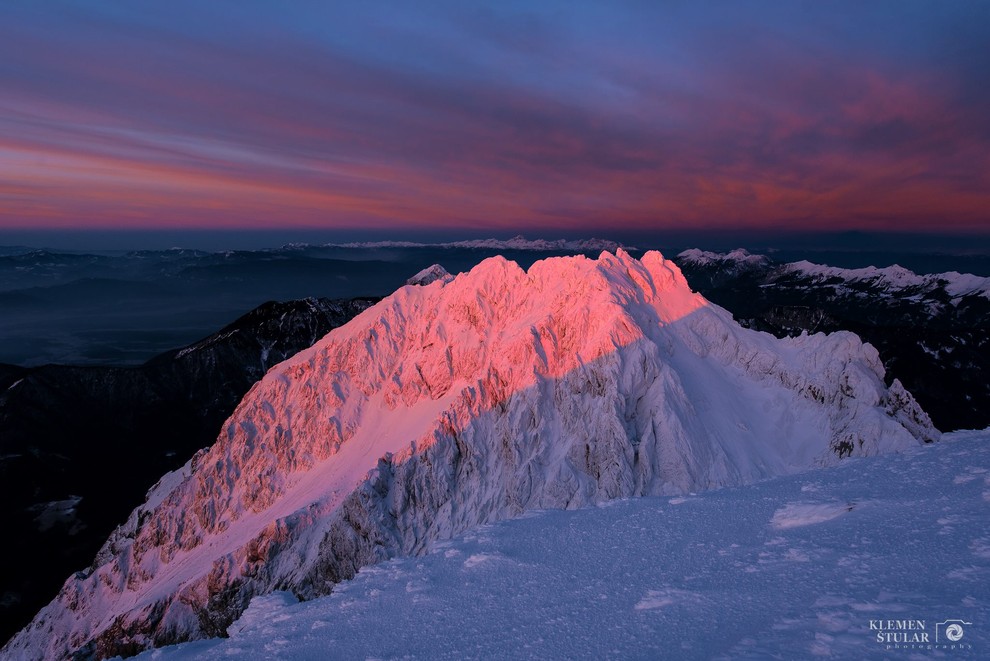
{"x": 429, "y": 275}
{"x": 897, "y": 277}
{"x": 894, "y": 278}
{"x": 739, "y": 256}
{"x": 458, "y": 403}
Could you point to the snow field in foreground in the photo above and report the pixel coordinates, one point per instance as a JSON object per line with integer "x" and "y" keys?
{"x": 795, "y": 567}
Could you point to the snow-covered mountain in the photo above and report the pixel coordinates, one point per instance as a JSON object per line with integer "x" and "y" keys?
{"x": 459, "y": 403}
{"x": 429, "y": 275}
{"x": 740, "y": 258}
{"x": 897, "y": 279}
{"x": 892, "y": 279}
{"x": 932, "y": 330}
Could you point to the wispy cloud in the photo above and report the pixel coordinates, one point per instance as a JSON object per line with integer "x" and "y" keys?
{"x": 693, "y": 114}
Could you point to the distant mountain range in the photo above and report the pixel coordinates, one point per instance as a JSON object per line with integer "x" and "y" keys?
{"x": 515, "y": 243}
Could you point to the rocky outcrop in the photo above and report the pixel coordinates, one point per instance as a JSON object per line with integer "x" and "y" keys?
{"x": 98, "y": 437}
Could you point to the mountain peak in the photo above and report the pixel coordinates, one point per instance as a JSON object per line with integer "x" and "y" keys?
{"x": 430, "y": 275}
{"x": 739, "y": 258}
{"x": 442, "y": 408}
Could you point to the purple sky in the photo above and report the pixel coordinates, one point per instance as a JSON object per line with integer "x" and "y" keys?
{"x": 501, "y": 116}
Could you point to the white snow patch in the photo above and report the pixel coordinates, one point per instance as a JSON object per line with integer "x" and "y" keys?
{"x": 794, "y": 515}
{"x": 479, "y": 559}
{"x": 666, "y": 597}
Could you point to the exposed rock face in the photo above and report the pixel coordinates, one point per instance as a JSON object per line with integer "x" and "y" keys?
{"x": 458, "y": 403}
{"x": 87, "y": 442}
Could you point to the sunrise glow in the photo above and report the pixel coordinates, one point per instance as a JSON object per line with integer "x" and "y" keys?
{"x": 562, "y": 116}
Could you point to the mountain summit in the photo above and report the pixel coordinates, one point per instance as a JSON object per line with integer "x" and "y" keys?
{"x": 458, "y": 403}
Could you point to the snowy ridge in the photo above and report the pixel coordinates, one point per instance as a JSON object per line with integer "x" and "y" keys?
{"x": 906, "y": 534}
{"x": 515, "y": 243}
{"x": 897, "y": 278}
{"x": 429, "y": 275}
{"x": 738, "y": 257}
{"x": 891, "y": 278}
{"x": 460, "y": 403}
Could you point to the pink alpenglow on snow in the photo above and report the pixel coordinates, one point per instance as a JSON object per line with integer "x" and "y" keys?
{"x": 462, "y": 402}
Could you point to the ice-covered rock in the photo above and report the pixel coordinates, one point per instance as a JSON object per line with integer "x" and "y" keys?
{"x": 458, "y": 403}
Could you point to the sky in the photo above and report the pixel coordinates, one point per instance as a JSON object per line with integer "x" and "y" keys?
{"x": 550, "y": 117}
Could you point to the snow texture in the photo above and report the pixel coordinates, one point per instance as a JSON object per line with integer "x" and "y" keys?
{"x": 458, "y": 404}
{"x": 712, "y": 576}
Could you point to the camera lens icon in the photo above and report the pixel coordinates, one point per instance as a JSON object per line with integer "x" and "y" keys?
{"x": 950, "y": 630}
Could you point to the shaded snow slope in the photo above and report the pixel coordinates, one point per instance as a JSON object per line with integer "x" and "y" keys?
{"x": 930, "y": 333}
{"x": 456, "y": 404}
{"x": 699, "y": 577}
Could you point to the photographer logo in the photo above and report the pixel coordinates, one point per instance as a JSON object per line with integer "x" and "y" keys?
{"x": 950, "y": 630}
{"x": 910, "y": 634}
